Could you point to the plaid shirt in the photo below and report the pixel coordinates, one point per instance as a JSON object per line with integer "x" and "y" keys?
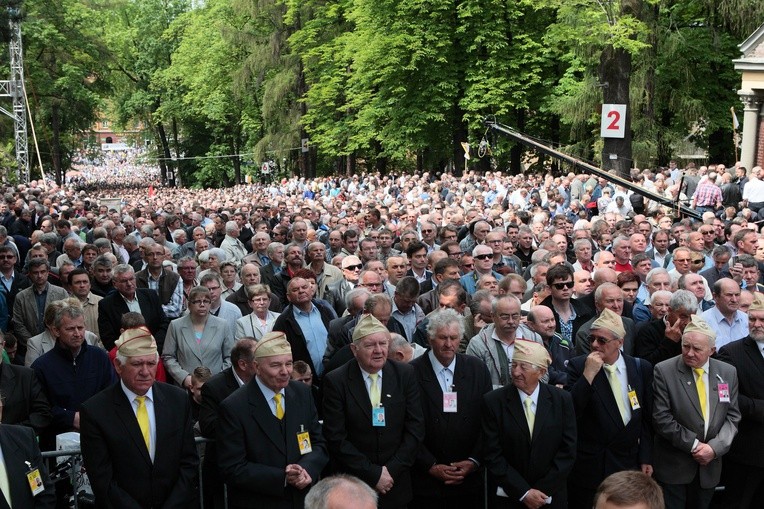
{"x": 707, "y": 195}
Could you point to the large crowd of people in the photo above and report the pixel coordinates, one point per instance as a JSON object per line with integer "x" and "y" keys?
{"x": 558, "y": 339}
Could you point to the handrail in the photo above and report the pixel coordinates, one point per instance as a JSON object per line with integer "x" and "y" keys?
{"x": 520, "y": 137}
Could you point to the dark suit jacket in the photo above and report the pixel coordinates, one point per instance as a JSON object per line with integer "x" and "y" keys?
{"x": 651, "y": 343}
{"x": 24, "y": 401}
{"x": 287, "y": 324}
{"x": 450, "y": 437}
{"x": 20, "y": 282}
{"x": 19, "y": 445}
{"x": 678, "y": 421}
{"x": 605, "y": 444}
{"x": 336, "y": 338}
{"x": 517, "y": 462}
{"x": 113, "y": 306}
{"x": 335, "y": 295}
{"x": 214, "y": 391}
{"x": 588, "y": 301}
{"x": 358, "y": 448}
{"x": 745, "y": 355}
{"x": 118, "y": 462}
{"x": 254, "y": 448}
{"x": 583, "y": 314}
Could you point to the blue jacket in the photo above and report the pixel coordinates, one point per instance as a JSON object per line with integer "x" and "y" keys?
{"x": 68, "y": 382}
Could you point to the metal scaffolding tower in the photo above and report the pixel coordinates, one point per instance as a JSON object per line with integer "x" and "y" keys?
{"x": 14, "y": 88}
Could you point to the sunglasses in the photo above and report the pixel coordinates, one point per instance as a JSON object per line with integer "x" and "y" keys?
{"x": 560, "y": 286}
{"x": 483, "y": 256}
{"x": 600, "y": 340}
{"x": 354, "y": 267}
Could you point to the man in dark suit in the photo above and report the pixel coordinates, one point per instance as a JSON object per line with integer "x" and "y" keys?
{"x": 24, "y": 401}
{"x": 373, "y": 421}
{"x": 270, "y": 446}
{"x": 612, "y": 395}
{"x": 447, "y": 471}
{"x": 21, "y": 455}
{"x": 214, "y": 391}
{"x": 137, "y": 438}
{"x": 695, "y": 413}
{"x": 743, "y": 470}
{"x": 129, "y": 298}
{"x": 529, "y": 447}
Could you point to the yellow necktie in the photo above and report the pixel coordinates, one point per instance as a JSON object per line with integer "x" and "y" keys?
{"x": 143, "y": 420}
{"x": 374, "y": 392}
{"x": 529, "y": 415}
{"x": 701, "y": 386}
{"x": 279, "y": 406}
{"x": 615, "y": 386}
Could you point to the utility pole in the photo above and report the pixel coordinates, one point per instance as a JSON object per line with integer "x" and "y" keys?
{"x": 14, "y": 88}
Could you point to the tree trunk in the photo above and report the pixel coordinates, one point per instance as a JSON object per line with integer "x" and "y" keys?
{"x": 165, "y": 147}
{"x": 55, "y": 142}
{"x": 615, "y": 75}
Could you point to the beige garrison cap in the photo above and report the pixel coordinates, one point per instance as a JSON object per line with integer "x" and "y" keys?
{"x": 136, "y": 342}
{"x": 532, "y": 353}
{"x": 271, "y": 344}
{"x": 610, "y": 321}
{"x": 366, "y": 326}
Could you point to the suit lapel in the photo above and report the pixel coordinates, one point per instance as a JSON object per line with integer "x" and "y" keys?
{"x": 357, "y": 388}
{"x": 389, "y": 384}
{"x": 687, "y": 380}
{"x": 543, "y": 410}
{"x": 127, "y": 417}
{"x": 714, "y": 379}
{"x": 754, "y": 353}
{"x": 261, "y": 411}
{"x": 10, "y": 451}
{"x": 515, "y": 408}
{"x": 605, "y": 392}
{"x": 431, "y": 384}
{"x": 189, "y": 336}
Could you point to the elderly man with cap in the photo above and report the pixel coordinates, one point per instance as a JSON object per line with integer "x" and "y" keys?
{"x": 743, "y": 470}
{"x": 612, "y": 395}
{"x": 270, "y": 446}
{"x": 137, "y": 437}
{"x": 695, "y": 416}
{"x": 373, "y": 419}
{"x": 529, "y": 433}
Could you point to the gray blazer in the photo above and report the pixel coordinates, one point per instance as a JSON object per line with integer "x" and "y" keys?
{"x": 25, "y": 320}
{"x": 182, "y": 354}
{"x": 679, "y": 422}
{"x": 249, "y": 326}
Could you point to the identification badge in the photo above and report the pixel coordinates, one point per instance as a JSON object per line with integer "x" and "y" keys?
{"x": 449, "y": 402}
{"x": 724, "y": 393}
{"x": 303, "y": 441}
{"x": 634, "y": 400}
{"x": 378, "y": 417}
{"x": 35, "y": 481}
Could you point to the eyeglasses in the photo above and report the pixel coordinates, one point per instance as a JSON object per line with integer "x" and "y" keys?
{"x": 560, "y": 286}
{"x": 6, "y": 257}
{"x": 697, "y": 262}
{"x": 483, "y": 256}
{"x": 427, "y": 231}
{"x": 371, "y": 284}
{"x": 600, "y": 340}
{"x": 468, "y": 265}
{"x": 354, "y": 267}
{"x": 202, "y": 302}
{"x": 710, "y": 232}
{"x": 683, "y": 260}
